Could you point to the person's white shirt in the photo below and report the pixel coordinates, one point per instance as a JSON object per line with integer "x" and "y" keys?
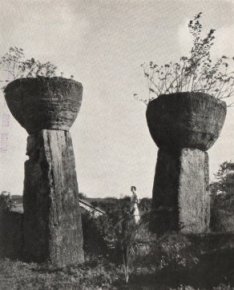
{"x": 134, "y": 199}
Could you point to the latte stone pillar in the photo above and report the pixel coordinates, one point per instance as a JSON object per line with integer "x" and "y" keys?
{"x": 184, "y": 126}
{"x": 46, "y": 108}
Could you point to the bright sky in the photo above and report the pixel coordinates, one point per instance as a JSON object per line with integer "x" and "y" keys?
{"x": 103, "y": 43}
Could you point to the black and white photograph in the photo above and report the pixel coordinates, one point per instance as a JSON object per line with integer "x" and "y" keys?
{"x": 117, "y": 144}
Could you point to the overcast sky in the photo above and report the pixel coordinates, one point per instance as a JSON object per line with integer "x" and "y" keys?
{"x": 103, "y": 44}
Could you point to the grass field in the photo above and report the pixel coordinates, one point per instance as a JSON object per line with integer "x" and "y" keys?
{"x": 16, "y": 275}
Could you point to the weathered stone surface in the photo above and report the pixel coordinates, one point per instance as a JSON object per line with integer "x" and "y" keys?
{"x": 52, "y": 220}
{"x": 165, "y": 193}
{"x": 44, "y": 103}
{"x": 194, "y": 195}
{"x": 180, "y": 194}
{"x": 185, "y": 120}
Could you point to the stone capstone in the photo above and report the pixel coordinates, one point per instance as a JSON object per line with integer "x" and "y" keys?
{"x": 185, "y": 120}
{"x": 44, "y": 103}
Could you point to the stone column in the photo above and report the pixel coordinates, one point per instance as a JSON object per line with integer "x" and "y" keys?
{"x": 47, "y": 108}
{"x": 181, "y": 197}
{"x": 184, "y": 126}
{"x": 52, "y": 220}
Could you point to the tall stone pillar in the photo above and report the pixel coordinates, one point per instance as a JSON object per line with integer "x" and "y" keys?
{"x": 47, "y": 108}
{"x": 184, "y": 126}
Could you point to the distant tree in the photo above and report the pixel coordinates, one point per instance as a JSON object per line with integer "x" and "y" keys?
{"x": 6, "y": 202}
{"x": 108, "y": 204}
{"x": 145, "y": 204}
{"x": 222, "y": 195}
{"x": 94, "y": 203}
{"x": 82, "y": 195}
{"x": 221, "y": 186}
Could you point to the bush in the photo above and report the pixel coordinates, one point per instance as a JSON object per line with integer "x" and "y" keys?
{"x": 95, "y": 244}
{"x": 176, "y": 251}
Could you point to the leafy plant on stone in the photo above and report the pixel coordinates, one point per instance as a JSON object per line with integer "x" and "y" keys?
{"x": 15, "y": 65}
{"x": 195, "y": 73}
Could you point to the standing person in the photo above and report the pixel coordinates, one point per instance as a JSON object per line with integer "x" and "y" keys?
{"x": 134, "y": 205}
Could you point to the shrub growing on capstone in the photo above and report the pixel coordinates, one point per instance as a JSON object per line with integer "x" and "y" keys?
{"x": 197, "y": 72}
{"x": 15, "y": 65}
